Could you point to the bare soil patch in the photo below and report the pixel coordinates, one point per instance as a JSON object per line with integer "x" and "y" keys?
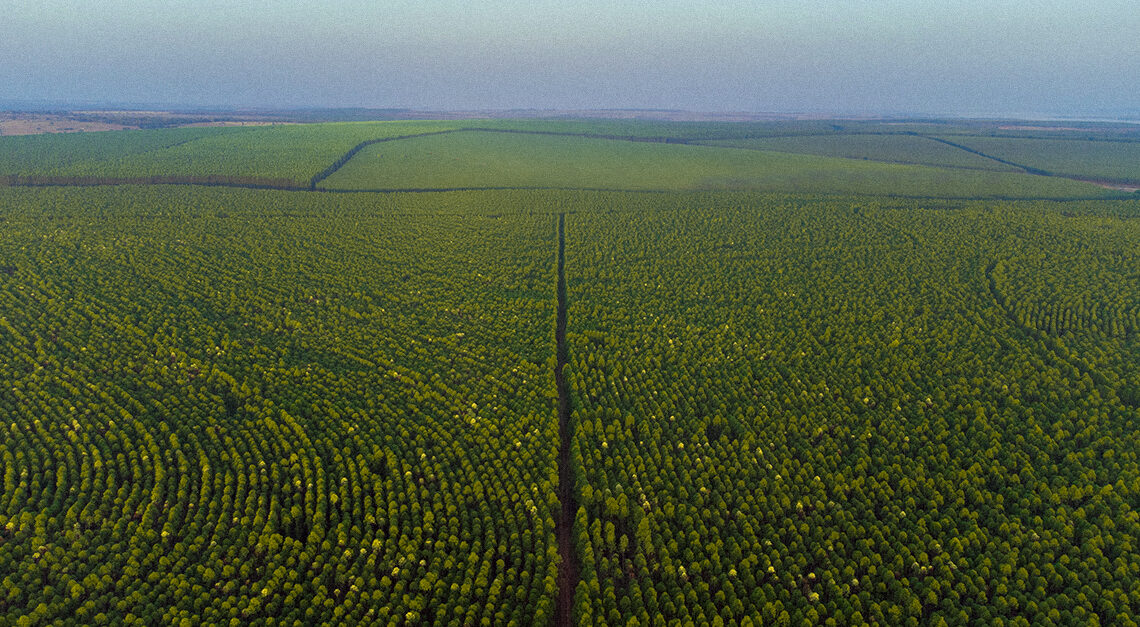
{"x": 235, "y": 123}
{"x": 1123, "y": 187}
{"x": 37, "y": 123}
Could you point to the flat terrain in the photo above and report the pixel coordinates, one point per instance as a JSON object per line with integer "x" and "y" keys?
{"x": 38, "y": 123}
{"x": 477, "y": 159}
{"x": 56, "y": 153}
{"x": 802, "y": 406}
{"x": 740, "y": 387}
{"x": 282, "y": 154}
{"x": 874, "y": 147}
{"x": 1105, "y": 160}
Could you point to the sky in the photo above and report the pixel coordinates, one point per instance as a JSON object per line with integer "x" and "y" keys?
{"x": 962, "y": 57}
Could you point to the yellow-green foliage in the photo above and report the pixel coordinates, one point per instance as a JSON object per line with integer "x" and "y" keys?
{"x": 245, "y": 407}
{"x": 1111, "y": 160}
{"x": 232, "y": 405}
{"x": 481, "y": 159}
{"x": 891, "y": 148}
{"x": 291, "y": 152}
{"x": 38, "y": 154}
{"x": 791, "y": 412}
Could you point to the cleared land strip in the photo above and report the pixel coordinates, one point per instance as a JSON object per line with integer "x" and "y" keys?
{"x": 568, "y": 565}
{"x": 336, "y": 165}
{"x": 253, "y": 182}
{"x": 284, "y": 184}
{"x": 1119, "y": 185}
{"x": 1025, "y": 168}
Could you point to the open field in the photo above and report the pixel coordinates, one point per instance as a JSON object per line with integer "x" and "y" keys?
{"x": 293, "y": 153}
{"x": 610, "y": 154}
{"x": 37, "y": 123}
{"x": 747, "y": 387}
{"x": 1105, "y": 160}
{"x": 43, "y": 154}
{"x": 486, "y": 159}
{"x": 875, "y": 147}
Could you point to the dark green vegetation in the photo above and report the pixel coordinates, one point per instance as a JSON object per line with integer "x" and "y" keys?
{"x": 792, "y": 411}
{"x": 231, "y": 405}
{"x": 236, "y": 406}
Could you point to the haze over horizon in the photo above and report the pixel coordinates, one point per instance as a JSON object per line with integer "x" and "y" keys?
{"x": 975, "y": 57}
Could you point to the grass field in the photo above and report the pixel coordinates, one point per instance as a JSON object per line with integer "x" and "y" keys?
{"x": 873, "y": 147}
{"x": 290, "y": 152}
{"x": 1109, "y": 160}
{"x": 488, "y": 160}
{"x": 590, "y": 154}
{"x": 39, "y": 154}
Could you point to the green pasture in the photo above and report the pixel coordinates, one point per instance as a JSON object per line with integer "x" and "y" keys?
{"x": 489, "y": 160}
{"x": 39, "y": 154}
{"x": 294, "y": 152}
{"x": 1109, "y": 160}
{"x": 890, "y": 148}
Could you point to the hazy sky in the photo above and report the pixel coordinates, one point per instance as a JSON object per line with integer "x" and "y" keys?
{"x": 836, "y": 56}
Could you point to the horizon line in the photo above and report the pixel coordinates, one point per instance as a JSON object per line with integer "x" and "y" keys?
{"x": 66, "y": 106}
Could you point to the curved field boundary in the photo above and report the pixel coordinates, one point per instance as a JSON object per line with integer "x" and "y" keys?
{"x": 339, "y": 163}
{"x": 283, "y": 184}
{"x": 1052, "y": 346}
{"x": 343, "y": 159}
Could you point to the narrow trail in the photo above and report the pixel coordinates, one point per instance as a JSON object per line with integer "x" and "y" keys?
{"x": 314, "y": 183}
{"x": 568, "y": 568}
{"x": 1117, "y": 185}
{"x": 339, "y": 163}
{"x": 1023, "y": 168}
